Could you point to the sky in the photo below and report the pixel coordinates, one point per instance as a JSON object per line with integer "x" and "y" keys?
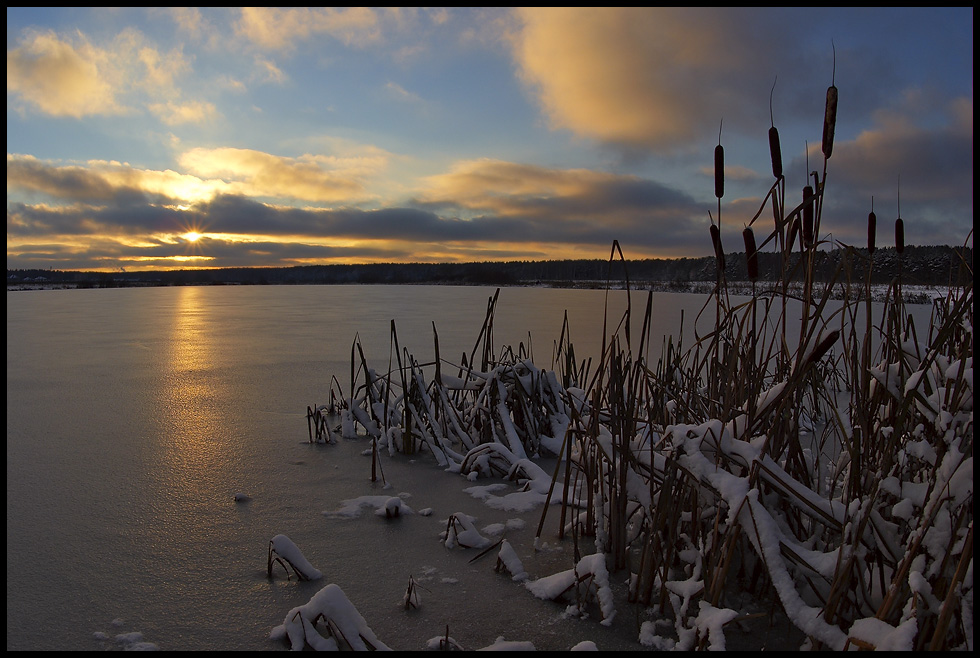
{"x": 154, "y": 138}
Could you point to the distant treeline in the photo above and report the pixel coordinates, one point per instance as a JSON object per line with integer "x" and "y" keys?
{"x": 923, "y": 265}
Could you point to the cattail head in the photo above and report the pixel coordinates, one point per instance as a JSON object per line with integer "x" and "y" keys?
{"x": 872, "y": 231}
{"x": 899, "y": 224}
{"x": 719, "y": 251}
{"x": 775, "y": 153}
{"x": 808, "y": 201}
{"x": 751, "y": 255}
{"x": 830, "y": 115}
{"x": 719, "y": 171}
{"x": 823, "y": 346}
{"x": 829, "y": 122}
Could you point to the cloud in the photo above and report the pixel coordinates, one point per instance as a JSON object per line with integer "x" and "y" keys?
{"x": 74, "y": 78}
{"x": 279, "y": 29}
{"x": 63, "y": 79}
{"x": 652, "y": 76}
{"x": 519, "y": 202}
{"x": 942, "y": 155}
{"x": 173, "y": 114}
{"x": 337, "y": 178}
{"x": 928, "y": 162}
{"x": 399, "y": 93}
{"x": 267, "y": 71}
{"x": 483, "y": 209}
{"x": 314, "y": 178}
{"x": 511, "y": 188}
{"x": 99, "y": 182}
{"x": 159, "y": 71}
{"x": 27, "y": 174}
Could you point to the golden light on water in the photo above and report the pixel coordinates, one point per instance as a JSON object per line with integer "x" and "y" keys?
{"x": 193, "y": 401}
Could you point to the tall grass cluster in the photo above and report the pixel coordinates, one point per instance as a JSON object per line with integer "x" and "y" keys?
{"x": 807, "y": 456}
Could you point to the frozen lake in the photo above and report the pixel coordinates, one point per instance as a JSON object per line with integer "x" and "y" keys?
{"x": 135, "y": 415}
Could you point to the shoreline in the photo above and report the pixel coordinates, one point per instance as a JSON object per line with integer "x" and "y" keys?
{"x": 911, "y": 294}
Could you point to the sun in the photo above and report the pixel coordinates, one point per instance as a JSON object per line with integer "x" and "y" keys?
{"x": 192, "y": 236}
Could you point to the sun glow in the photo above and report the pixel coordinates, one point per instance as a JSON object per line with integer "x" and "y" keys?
{"x": 192, "y": 236}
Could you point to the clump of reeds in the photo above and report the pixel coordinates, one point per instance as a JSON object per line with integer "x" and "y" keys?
{"x": 826, "y": 434}
{"x": 810, "y": 455}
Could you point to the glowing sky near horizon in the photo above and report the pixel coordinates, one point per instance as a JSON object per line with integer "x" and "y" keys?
{"x": 151, "y": 138}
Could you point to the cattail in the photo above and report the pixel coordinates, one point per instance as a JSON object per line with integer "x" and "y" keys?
{"x": 719, "y": 252}
{"x": 808, "y": 216}
{"x": 829, "y": 122}
{"x": 823, "y": 346}
{"x": 830, "y": 115}
{"x": 751, "y": 255}
{"x": 899, "y": 224}
{"x": 775, "y": 153}
{"x": 872, "y": 231}
{"x": 719, "y": 171}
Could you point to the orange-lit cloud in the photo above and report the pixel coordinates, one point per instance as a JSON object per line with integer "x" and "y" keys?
{"x": 74, "y": 78}
{"x": 63, "y": 79}
{"x": 632, "y": 75}
{"x": 478, "y": 210}
{"x": 174, "y": 114}
{"x": 210, "y": 172}
{"x": 488, "y": 184}
{"x": 100, "y": 181}
{"x": 279, "y": 29}
{"x": 314, "y": 178}
{"x": 513, "y": 189}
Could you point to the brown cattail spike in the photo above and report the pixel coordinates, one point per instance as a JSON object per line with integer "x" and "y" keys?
{"x": 830, "y": 116}
{"x": 899, "y": 224}
{"x": 826, "y": 342}
{"x": 751, "y": 255}
{"x": 829, "y": 122}
{"x": 808, "y": 216}
{"x": 872, "y": 231}
{"x": 775, "y": 153}
{"x": 719, "y": 171}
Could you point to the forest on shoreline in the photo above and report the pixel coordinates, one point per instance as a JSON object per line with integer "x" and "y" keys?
{"x": 917, "y": 265}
